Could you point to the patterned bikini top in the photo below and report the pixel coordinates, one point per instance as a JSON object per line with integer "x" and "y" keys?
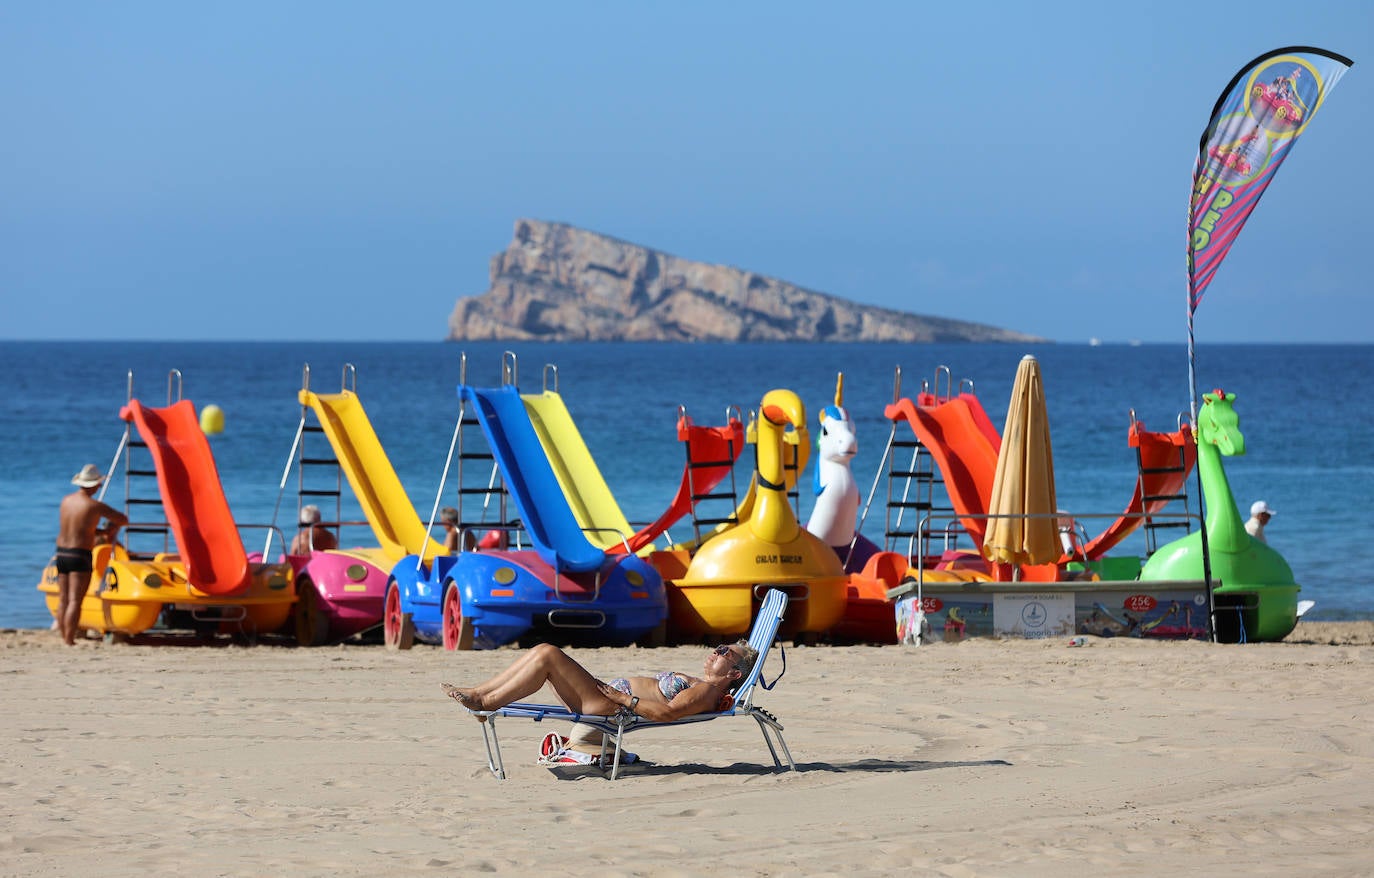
{"x": 670, "y": 683}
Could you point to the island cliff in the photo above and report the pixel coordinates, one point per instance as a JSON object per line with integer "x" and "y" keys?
{"x": 560, "y": 283}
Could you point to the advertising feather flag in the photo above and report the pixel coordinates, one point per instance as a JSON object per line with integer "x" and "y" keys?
{"x": 1255, "y": 124}
{"x": 1257, "y": 120}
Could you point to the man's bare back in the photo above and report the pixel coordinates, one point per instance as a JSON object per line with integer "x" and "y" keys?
{"x": 79, "y": 518}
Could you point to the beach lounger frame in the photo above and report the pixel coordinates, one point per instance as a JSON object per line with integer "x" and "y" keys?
{"x": 761, "y": 637}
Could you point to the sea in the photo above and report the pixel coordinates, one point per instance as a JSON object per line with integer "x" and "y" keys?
{"x": 1307, "y": 425}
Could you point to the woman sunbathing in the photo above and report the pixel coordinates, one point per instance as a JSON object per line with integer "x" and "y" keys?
{"x": 661, "y": 698}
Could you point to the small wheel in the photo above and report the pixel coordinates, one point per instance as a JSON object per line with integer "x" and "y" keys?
{"x": 458, "y": 631}
{"x": 311, "y": 623}
{"x": 398, "y": 632}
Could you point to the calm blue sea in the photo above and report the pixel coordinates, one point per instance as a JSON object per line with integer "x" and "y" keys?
{"x": 1307, "y": 432}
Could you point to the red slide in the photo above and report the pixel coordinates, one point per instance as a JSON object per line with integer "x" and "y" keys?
{"x": 1160, "y": 478}
{"x": 192, "y": 496}
{"x": 958, "y": 438}
{"x": 975, "y": 410}
{"x": 711, "y": 454}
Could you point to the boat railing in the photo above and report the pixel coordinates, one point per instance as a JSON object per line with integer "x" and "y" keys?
{"x": 273, "y": 533}
{"x": 946, "y": 527}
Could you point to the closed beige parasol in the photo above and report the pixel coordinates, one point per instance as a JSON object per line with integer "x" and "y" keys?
{"x": 1024, "y": 483}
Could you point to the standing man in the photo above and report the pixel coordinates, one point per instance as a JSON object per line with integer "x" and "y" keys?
{"x": 79, "y": 517}
{"x": 1260, "y": 513}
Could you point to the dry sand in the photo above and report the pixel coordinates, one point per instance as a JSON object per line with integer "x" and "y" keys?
{"x": 988, "y": 757}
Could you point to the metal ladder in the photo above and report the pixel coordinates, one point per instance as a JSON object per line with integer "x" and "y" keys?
{"x": 912, "y": 477}
{"x": 474, "y": 453}
{"x": 713, "y": 497}
{"x": 138, "y": 475}
{"x": 308, "y": 459}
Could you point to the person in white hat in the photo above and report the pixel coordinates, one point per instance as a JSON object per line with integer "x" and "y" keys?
{"x": 78, "y": 529}
{"x": 1260, "y": 513}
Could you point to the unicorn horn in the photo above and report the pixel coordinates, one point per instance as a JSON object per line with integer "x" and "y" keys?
{"x": 839, "y": 388}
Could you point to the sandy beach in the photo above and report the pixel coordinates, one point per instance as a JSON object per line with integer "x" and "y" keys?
{"x": 1122, "y": 757}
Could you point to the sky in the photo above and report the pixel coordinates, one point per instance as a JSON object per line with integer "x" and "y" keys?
{"x": 344, "y": 171}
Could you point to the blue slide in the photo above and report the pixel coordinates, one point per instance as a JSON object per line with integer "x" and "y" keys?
{"x": 530, "y": 479}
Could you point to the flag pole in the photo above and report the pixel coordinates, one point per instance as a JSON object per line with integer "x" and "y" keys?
{"x": 1192, "y": 408}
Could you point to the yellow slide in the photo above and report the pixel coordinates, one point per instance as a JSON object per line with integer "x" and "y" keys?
{"x": 370, "y": 474}
{"x": 590, "y": 498}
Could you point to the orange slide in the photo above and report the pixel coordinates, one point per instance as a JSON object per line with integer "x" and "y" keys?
{"x": 1161, "y": 478}
{"x": 192, "y": 496}
{"x": 958, "y": 438}
{"x": 975, "y": 410}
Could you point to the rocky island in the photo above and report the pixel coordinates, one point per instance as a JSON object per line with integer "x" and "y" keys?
{"x": 556, "y": 282}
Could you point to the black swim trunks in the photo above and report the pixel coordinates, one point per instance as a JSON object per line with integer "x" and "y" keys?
{"x": 73, "y": 560}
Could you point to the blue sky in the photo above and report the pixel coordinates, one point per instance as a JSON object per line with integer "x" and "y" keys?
{"x": 343, "y": 171}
